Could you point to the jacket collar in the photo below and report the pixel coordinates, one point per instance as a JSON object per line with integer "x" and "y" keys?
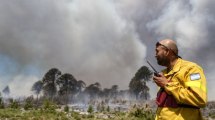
{"x": 175, "y": 68}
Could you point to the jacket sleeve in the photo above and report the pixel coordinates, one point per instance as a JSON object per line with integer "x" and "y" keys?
{"x": 190, "y": 88}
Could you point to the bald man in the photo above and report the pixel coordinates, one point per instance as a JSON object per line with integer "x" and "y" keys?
{"x": 182, "y": 85}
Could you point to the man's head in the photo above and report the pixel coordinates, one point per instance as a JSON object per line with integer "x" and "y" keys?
{"x": 166, "y": 50}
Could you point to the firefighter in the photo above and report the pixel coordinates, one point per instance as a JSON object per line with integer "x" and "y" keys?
{"x": 182, "y": 85}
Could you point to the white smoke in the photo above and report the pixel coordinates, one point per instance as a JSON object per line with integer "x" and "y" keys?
{"x": 185, "y": 22}
{"x": 21, "y": 89}
{"x": 88, "y": 39}
{"x": 190, "y": 23}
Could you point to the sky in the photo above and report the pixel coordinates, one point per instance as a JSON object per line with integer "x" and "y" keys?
{"x": 102, "y": 41}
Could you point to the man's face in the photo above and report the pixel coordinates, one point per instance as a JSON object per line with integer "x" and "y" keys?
{"x": 161, "y": 55}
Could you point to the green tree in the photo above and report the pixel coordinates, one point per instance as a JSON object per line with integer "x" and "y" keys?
{"x": 37, "y": 88}
{"x": 90, "y": 109}
{"x": 28, "y": 103}
{"x": 6, "y": 90}
{"x": 137, "y": 85}
{"x": 93, "y": 90}
{"x": 114, "y": 91}
{"x": 143, "y": 74}
{"x": 80, "y": 86}
{"x": 69, "y": 86}
{"x": 14, "y": 104}
{"x": 49, "y": 82}
{"x": 106, "y": 93}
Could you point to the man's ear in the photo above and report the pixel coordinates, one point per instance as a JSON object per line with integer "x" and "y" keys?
{"x": 167, "y": 52}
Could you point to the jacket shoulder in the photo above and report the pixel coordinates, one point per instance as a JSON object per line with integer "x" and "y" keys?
{"x": 189, "y": 64}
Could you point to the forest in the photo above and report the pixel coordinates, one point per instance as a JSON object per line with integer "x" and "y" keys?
{"x": 73, "y": 99}
{"x": 61, "y": 96}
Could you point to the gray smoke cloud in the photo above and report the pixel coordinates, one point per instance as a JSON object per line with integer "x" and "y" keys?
{"x": 100, "y": 40}
{"x": 190, "y": 22}
{"x": 88, "y": 39}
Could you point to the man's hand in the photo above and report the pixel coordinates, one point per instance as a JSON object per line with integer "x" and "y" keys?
{"x": 160, "y": 80}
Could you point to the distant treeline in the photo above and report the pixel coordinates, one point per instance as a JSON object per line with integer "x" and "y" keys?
{"x": 67, "y": 89}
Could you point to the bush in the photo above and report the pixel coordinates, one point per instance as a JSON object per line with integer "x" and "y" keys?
{"x": 108, "y": 108}
{"x": 49, "y": 106}
{"x": 1, "y": 103}
{"x": 14, "y": 104}
{"x": 90, "y": 109}
{"x": 143, "y": 113}
{"x": 90, "y": 116}
{"x": 28, "y": 104}
{"x": 66, "y": 108}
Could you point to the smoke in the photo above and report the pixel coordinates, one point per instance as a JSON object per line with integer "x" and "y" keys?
{"x": 101, "y": 40}
{"x": 191, "y": 23}
{"x": 88, "y": 39}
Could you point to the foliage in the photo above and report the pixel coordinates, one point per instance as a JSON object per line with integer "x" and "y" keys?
{"x": 90, "y": 109}
{"x": 108, "y": 108}
{"x": 49, "y": 79}
{"x": 139, "y": 88}
{"x": 37, "y": 87}
{"x": 67, "y": 84}
{"x": 66, "y": 108}
{"x": 9, "y": 113}
{"x": 143, "y": 113}
{"x": 6, "y": 90}
{"x": 28, "y": 103}
{"x": 1, "y": 102}
{"x": 75, "y": 115}
{"x": 93, "y": 90}
{"x": 137, "y": 85}
{"x": 49, "y": 106}
{"x": 114, "y": 91}
{"x": 14, "y": 104}
{"x": 16, "y": 114}
{"x": 143, "y": 73}
{"x": 80, "y": 85}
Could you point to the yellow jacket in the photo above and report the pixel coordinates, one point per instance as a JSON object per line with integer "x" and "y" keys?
{"x": 187, "y": 86}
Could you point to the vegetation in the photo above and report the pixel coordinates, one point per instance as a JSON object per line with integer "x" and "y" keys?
{"x": 6, "y": 91}
{"x": 37, "y": 88}
{"x": 63, "y": 89}
{"x": 49, "y": 82}
{"x": 28, "y": 103}
{"x": 90, "y": 109}
{"x": 14, "y": 104}
{"x": 1, "y": 102}
{"x": 66, "y": 108}
{"x": 44, "y": 114}
{"x": 137, "y": 85}
{"x": 144, "y": 113}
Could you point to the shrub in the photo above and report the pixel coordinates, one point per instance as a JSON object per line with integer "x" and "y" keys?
{"x": 28, "y": 104}
{"x": 143, "y": 113}
{"x": 14, "y": 104}
{"x": 1, "y": 103}
{"x": 66, "y": 108}
{"x": 108, "y": 108}
{"x": 90, "y": 109}
{"x": 49, "y": 106}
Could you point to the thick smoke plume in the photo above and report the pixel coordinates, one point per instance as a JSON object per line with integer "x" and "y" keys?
{"x": 88, "y": 39}
{"x": 100, "y": 40}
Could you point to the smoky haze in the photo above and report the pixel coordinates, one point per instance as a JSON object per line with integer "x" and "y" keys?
{"x": 102, "y": 41}
{"x": 88, "y": 39}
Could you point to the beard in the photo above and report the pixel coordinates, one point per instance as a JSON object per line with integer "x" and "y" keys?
{"x": 163, "y": 61}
